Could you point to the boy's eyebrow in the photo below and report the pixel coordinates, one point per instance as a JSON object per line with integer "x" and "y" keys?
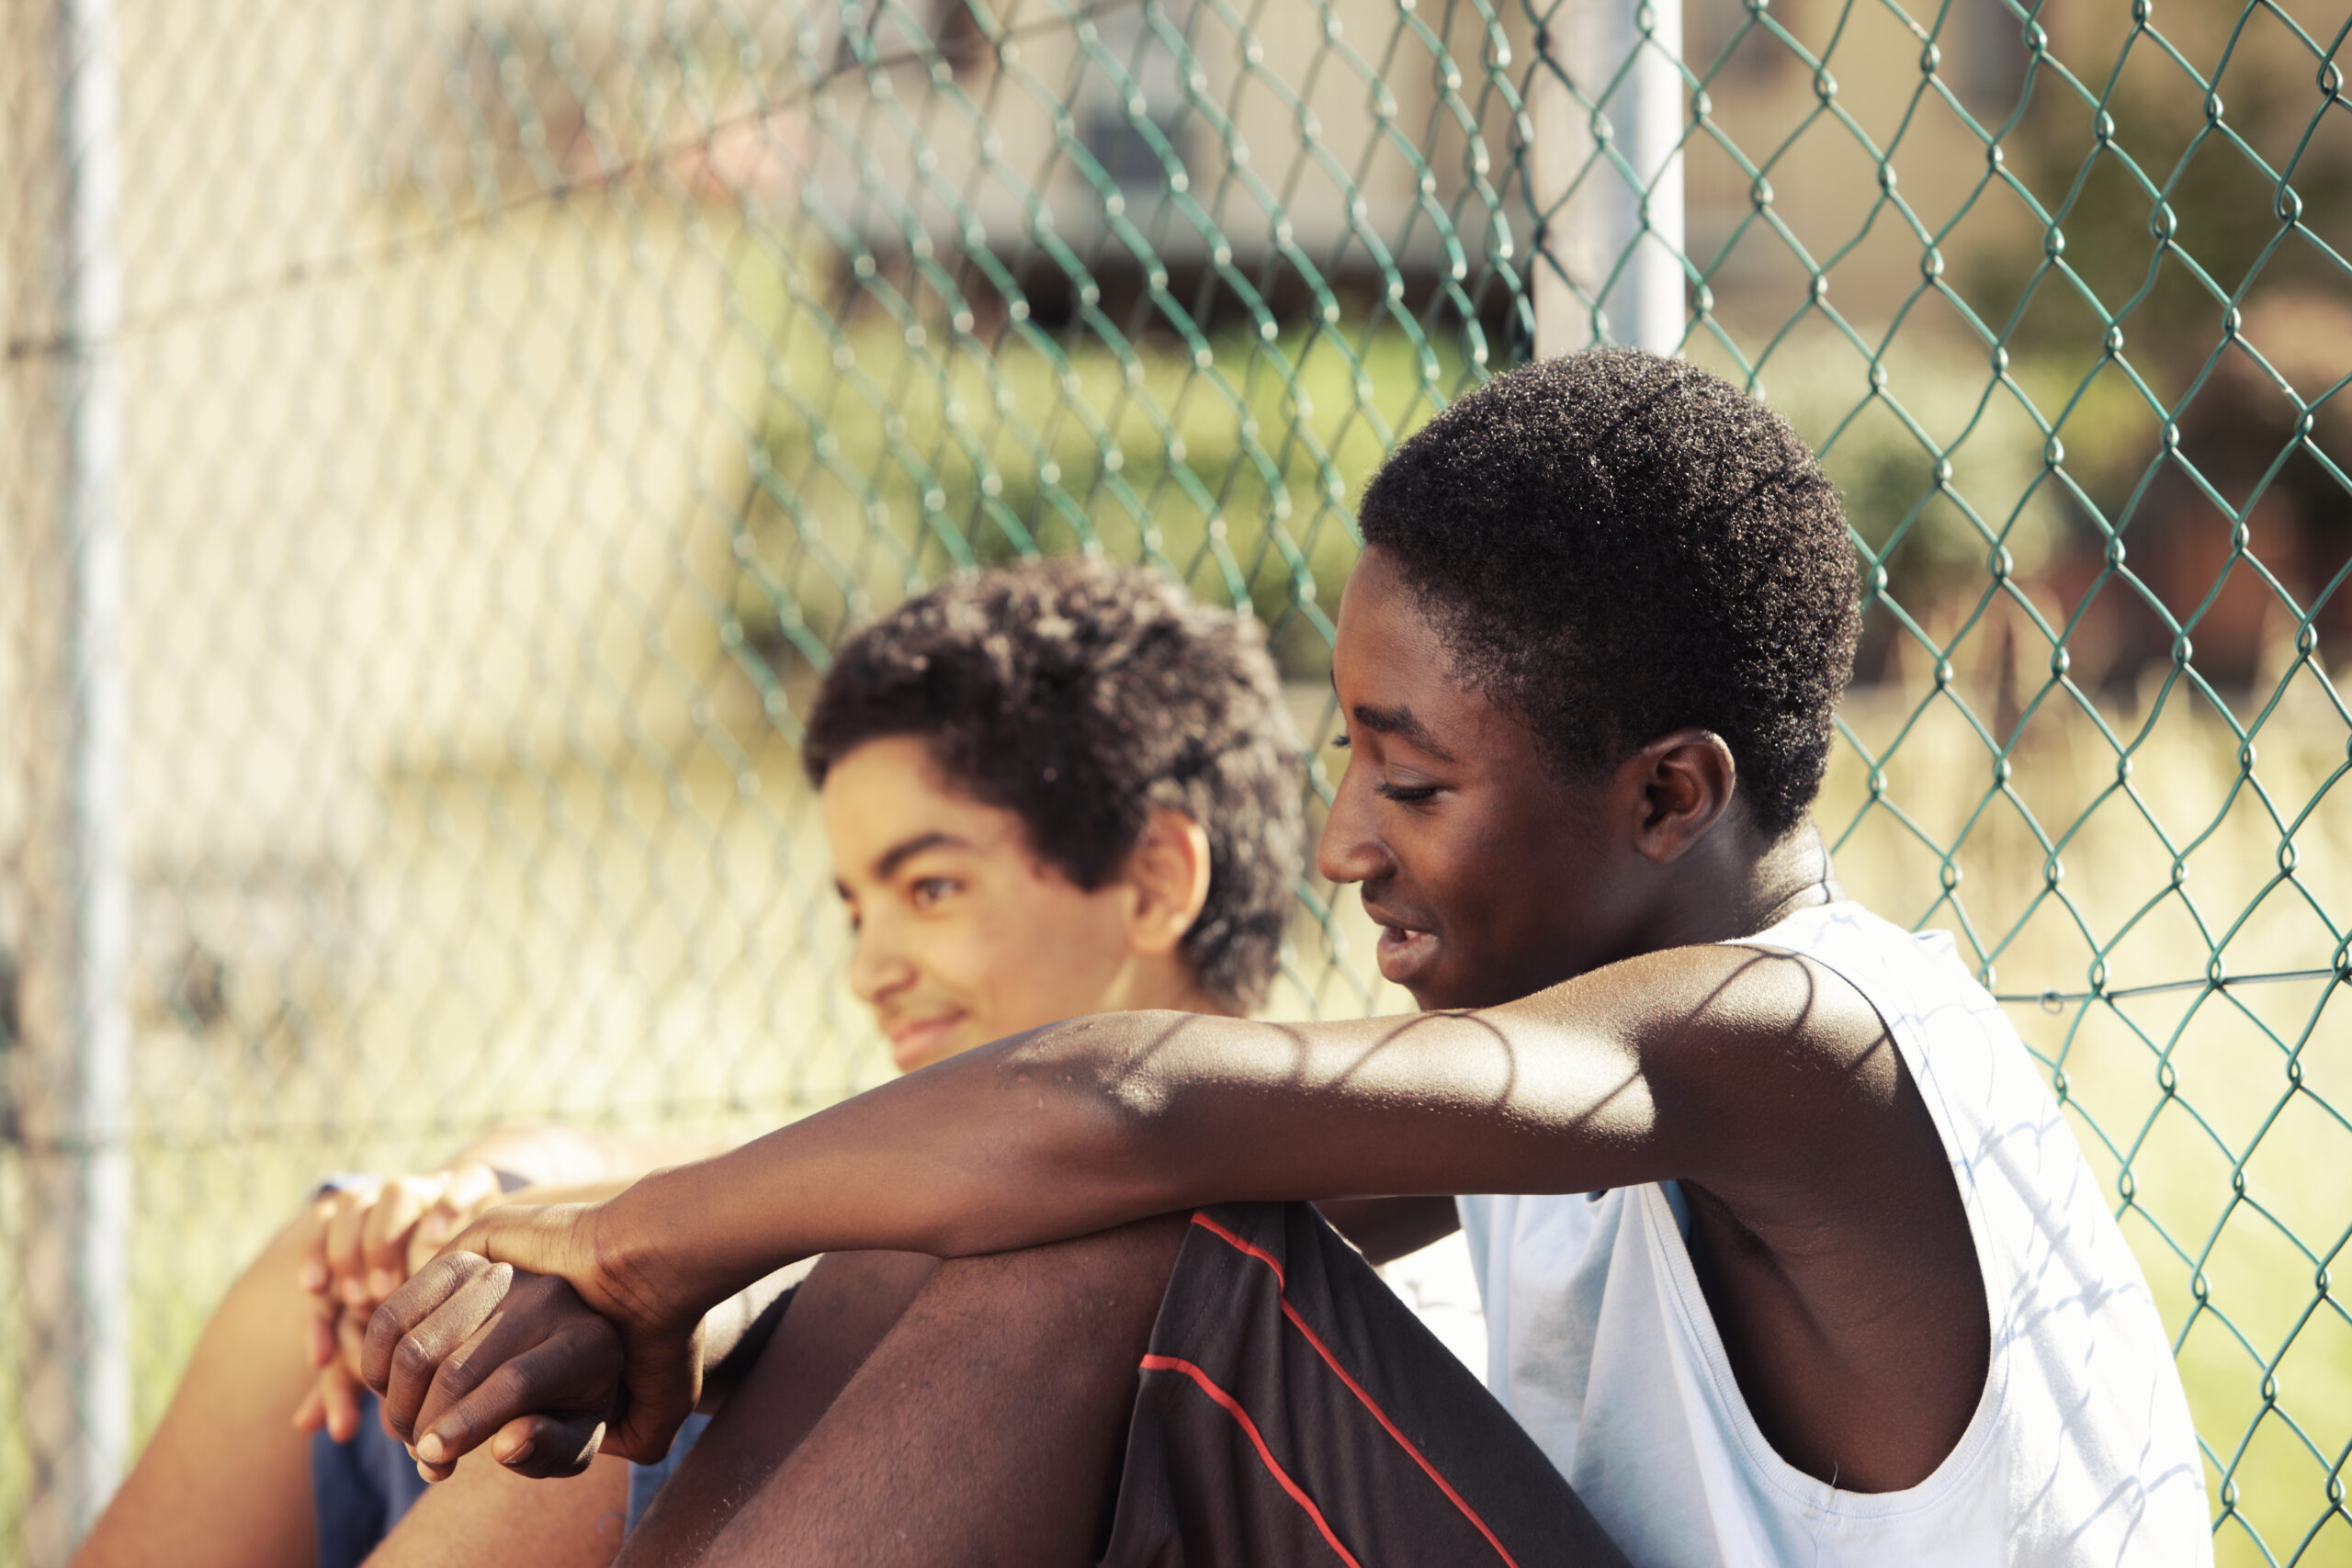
{"x": 1401, "y": 723}
{"x": 888, "y": 862}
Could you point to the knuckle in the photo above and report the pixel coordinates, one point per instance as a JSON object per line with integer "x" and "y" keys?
{"x": 520, "y": 1386}
{"x": 413, "y": 1356}
{"x": 445, "y": 1274}
{"x": 593, "y": 1336}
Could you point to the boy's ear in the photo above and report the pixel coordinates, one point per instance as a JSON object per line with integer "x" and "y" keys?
{"x": 1680, "y": 785}
{"x": 1169, "y": 874}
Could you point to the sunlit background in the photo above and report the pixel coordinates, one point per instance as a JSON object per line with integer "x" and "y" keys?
{"x": 516, "y": 398}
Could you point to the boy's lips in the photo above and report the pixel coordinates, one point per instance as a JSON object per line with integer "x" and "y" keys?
{"x": 915, "y": 1041}
{"x": 1405, "y": 951}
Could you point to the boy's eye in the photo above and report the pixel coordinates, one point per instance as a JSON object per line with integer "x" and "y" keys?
{"x": 929, "y": 890}
{"x": 1342, "y": 741}
{"x": 1405, "y": 793}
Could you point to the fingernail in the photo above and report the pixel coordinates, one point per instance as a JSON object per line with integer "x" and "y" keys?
{"x": 354, "y": 1291}
{"x": 313, "y": 1276}
{"x": 430, "y": 1449}
{"x": 426, "y": 1471}
{"x": 382, "y": 1282}
{"x": 522, "y": 1452}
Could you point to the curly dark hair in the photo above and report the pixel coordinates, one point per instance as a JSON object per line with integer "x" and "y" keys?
{"x": 1614, "y": 546}
{"x": 1082, "y": 697}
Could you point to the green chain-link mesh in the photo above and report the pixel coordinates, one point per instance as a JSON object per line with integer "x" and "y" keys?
{"x": 524, "y": 396}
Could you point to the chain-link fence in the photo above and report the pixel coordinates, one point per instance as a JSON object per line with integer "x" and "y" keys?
{"x": 451, "y": 435}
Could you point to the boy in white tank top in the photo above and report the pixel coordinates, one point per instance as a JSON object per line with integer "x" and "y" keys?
{"x": 1801, "y": 1265}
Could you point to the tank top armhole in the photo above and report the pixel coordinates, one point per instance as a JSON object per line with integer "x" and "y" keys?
{"x": 1698, "y": 1321}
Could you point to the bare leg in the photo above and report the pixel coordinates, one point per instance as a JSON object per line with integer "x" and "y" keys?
{"x": 987, "y": 1429}
{"x": 486, "y": 1513}
{"x": 226, "y": 1479}
{"x": 840, "y": 1313}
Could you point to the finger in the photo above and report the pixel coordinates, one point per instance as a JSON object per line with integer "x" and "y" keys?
{"x": 663, "y": 1383}
{"x": 312, "y": 1413}
{"x": 383, "y": 1237}
{"x": 344, "y": 1258}
{"x": 468, "y": 1191}
{"x": 537, "y": 1238}
{"x": 424, "y": 1322}
{"x": 311, "y": 1272}
{"x": 339, "y": 1400}
{"x": 351, "y": 1343}
{"x": 437, "y": 1349}
{"x": 545, "y": 1380}
{"x": 439, "y": 1224}
{"x": 559, "y": 1356}
{"x": 319, "y": 1332}
{"x": 545, "y": 1449}
{"x": 408, "y": 1307}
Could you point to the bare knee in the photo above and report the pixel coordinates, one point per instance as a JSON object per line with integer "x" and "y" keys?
{"x": 1123, "y": 1266}
{"x": 265, "y": 1306}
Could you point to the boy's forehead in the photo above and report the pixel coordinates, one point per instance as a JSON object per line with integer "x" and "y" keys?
{"x": 1392, "y": 668}
{"x": 891, "y": 793}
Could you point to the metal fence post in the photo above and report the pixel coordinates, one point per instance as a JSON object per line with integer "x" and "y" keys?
{"x": 75, "y": 1056}
{"x": 1612, "y": 212}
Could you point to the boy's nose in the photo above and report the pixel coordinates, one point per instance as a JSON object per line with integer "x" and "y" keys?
{"x": 1349, "y": 849}
{"x": 876, "y": 968}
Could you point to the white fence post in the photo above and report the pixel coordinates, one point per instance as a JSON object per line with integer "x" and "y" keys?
{"x": 74, "y": 1060}
{"x": 1619, "y": 235}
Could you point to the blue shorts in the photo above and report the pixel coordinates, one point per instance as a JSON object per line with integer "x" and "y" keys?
{"x": 359, "y": 1490}
{"x": 645, "y": 1479}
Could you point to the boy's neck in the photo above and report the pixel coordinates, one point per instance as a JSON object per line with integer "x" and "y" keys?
{"x": 1164, "y": 983}
{"x": 1729, "y": 888}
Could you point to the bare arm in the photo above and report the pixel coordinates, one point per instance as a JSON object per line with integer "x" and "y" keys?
{"x": 1660, "y": 1066}
{"x": 1721, "y": 1064}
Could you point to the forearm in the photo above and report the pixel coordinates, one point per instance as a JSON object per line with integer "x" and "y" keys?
{"x": 1094, "y": 1123}
{"x": 1031, "y": 1140}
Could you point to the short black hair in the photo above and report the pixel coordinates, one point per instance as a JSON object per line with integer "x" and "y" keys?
{"x": 1616, "y": 545}
{"x": 1083, "y": 696}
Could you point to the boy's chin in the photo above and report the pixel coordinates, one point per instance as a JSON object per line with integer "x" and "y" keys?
{"x": 1431, "y": 987}
{"x": 1438, "y": 986}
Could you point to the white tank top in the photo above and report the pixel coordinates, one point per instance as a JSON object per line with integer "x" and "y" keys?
{"x": 2081, "y": 1449}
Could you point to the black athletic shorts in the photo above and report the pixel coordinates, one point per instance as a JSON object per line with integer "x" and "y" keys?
{"x": 1294, "y": 1412}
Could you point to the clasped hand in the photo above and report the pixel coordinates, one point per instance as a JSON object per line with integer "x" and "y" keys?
{"x": 521, "y": 1336}
{"x": 362, "y": 1241}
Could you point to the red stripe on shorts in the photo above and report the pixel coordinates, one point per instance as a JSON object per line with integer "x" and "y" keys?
{"x": 1356, "y": 1388}
{"x": 1257, "y": 1440}
{"x": 1260, "y": 1253}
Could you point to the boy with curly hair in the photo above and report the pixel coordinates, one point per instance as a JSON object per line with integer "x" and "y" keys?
{"x": 1051, "y": 790}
